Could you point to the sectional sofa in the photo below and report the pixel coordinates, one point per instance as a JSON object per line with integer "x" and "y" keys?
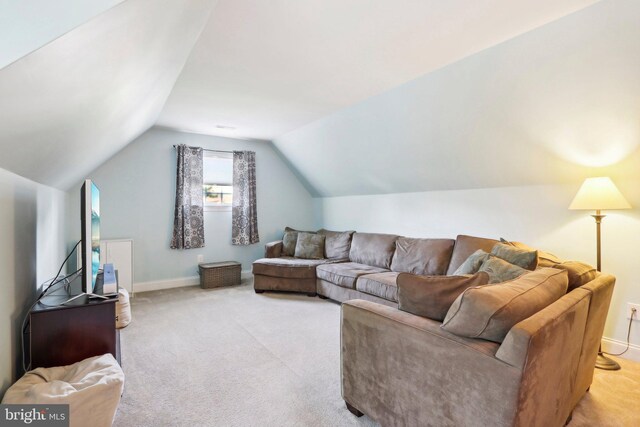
{"x": 403, "y": 369}
{"x": 365, "y": 269}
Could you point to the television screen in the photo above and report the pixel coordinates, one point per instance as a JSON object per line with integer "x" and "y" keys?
{"x": 90, "y": 215}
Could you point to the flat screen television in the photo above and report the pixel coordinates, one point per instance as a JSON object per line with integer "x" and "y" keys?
{"x": 90, "y": 219}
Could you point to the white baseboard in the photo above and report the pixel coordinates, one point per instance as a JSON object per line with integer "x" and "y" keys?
{"x": 181, "y": 282}
{"x": 614, "y": 346}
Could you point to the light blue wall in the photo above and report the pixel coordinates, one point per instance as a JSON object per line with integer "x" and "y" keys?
{"x": 31, "y": 250}
{"x": 137, "y": 189}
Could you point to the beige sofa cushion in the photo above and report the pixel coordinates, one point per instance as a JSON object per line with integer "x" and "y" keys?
{"x": 381, "y": 285}
{"x": 490, "y": 311}
{"x": 465, "y": 246}
{"x": 309, "y": 246}
{"x": 431, "y": 296}
{"x": 345, "y": 274}
{"x": 525, "y": 258}
{"x": 422, "y": 256}
{"x": 337, "y": 243}
{"x": 579, "y": 273}
{"x": 373, "y": 249}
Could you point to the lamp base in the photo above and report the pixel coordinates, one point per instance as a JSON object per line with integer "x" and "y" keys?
{"x": 603, "y": 362}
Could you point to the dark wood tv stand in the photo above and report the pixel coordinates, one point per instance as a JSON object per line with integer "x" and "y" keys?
{"x": 59, "y": 335}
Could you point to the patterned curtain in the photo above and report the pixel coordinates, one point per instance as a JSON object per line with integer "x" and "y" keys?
{"x": 188, "y": 222}
{"x": 244, "y": 211}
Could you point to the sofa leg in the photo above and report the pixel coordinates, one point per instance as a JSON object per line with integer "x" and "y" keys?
{"x": 353, "y": 410}
{"x": 259, "y": 291}
{"x": 311, "y": 294}
{"x": 323, "y": 297}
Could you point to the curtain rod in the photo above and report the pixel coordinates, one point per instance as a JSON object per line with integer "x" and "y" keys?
{"x": 215, "y": 151}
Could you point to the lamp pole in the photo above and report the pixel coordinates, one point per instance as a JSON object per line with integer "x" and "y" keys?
{"x": 598, "y": 217}
{"x": 602, "y": 361}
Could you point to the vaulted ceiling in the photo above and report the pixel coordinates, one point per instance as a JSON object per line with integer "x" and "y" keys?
{"x": 75, "y": 89}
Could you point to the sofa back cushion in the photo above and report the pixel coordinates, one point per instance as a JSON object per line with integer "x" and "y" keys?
{"x": 465, "y": 246}
{"x": 337, "y": 243}
{"x": 373, "y": 249}
{"x": 427, "y": 257}
{"x": 489, "y": 312}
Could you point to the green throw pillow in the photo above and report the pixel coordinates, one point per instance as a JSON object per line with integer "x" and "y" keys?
{"x": 289, "y": 241}
{"x": 472, "y": 264}
{"x": 527, "y": 259}
{"x": 310, "y": 246}
{"x": 500, "y": 270}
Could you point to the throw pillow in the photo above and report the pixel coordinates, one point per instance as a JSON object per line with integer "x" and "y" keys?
{"x": 289, "y": 241}
{"x": 545, "y": 259}
{"x": 431, "y": 296}
{"x": 336, "y": 244}
{"x": 489, "y": 312}
{"x": 579, "y": 273}
{"x": 472, "y": 264}
{"x": 500, "y": 270}
{"x": 310, "y": 246}
{"x": 520, "y": 257}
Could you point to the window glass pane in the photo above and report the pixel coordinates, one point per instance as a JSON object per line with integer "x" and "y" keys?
{"x": 218, "y": 194}
{"x": 218, "y": 179}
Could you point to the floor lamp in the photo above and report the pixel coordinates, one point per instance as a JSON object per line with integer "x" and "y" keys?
{"x": 598, "y": 194}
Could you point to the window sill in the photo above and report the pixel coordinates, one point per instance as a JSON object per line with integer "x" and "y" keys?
{"x": 217, "y": 208}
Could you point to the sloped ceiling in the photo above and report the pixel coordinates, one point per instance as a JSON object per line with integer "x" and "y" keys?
{"x": 268, "y": 67}
{"x": 69, "y": 106}
{"x": 548, "y": 107}
{"x": 27, "y": 25}
{"x": 280, "y": 69}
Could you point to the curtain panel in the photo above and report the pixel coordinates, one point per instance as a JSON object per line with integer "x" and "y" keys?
{"x": 244, "y": 216}
{"x": 188, "y": 222}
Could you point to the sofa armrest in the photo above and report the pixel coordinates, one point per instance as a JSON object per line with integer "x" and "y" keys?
{"x": 547, "y": 348}
{"x": 402, "y": 369}
{"x": 273, "y": 249}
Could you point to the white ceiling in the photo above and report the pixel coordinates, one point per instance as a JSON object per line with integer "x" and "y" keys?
{"x": 263, "y": 67}
{"x": 27, "y": 25}
{"x": 268, "y": 67}
{"x": 69, "y": 106}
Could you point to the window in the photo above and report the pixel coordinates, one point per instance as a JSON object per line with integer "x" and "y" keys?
{"x": 218, "y": 181}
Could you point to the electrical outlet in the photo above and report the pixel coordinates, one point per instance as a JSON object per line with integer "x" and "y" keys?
{"x": 630, "y": 307}
{"x": 200, "y": 258}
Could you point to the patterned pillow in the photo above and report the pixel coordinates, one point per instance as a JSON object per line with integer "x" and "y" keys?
{"x": 310, "y": 246}
{"x": 289, "y": 241}
{"x": 500, "y": 270}
{"x": 520, "y": 257}
{"x": 472, "y": 264}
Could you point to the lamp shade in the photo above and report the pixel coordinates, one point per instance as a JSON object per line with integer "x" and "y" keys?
{"x": 599, "y": 194}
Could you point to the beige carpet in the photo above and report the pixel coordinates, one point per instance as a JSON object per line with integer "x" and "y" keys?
{"x": 229, "y": 357}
